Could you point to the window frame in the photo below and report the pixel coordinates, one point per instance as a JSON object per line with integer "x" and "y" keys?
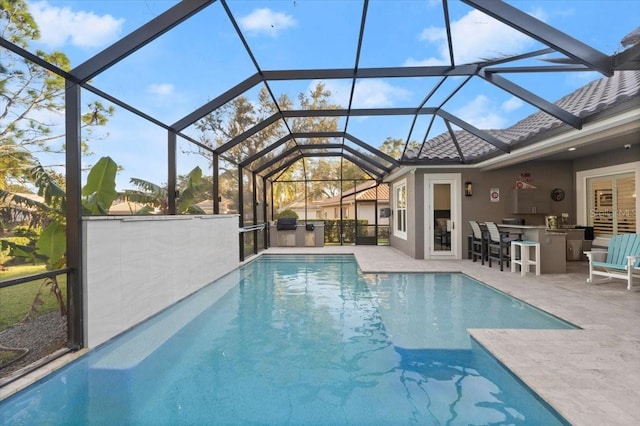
{"x": 582, "y": 200}
{"x": 400, "y": 212}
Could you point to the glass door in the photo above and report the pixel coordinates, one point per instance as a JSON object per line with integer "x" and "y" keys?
{"x": 442, "y": 224}
{"x": 442, "y": 215}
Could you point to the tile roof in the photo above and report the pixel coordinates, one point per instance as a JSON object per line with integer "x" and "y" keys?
{"x": 591, "y": 99}
{"x": 364, "y": 192}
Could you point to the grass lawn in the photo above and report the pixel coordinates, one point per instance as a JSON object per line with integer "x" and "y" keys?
{"x": 15, "y": 301}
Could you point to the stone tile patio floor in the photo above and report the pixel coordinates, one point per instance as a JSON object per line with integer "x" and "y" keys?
{"x": 590, "y": 376}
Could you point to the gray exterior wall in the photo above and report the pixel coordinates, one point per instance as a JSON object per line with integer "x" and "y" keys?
{"x": 407, "y": 246}
{"x": 545, "y": 176}
{"x": 612, "y": 158}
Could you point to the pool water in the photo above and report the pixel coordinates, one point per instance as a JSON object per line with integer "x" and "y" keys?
{"x": 302, "y": 340}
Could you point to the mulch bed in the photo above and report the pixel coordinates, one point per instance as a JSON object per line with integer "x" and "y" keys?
{"x": 30, "y": 341}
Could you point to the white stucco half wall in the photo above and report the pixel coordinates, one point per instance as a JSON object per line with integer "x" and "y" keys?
{"x": 134, "y": 267}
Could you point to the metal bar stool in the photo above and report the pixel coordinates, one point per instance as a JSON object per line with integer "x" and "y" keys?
{"x": 476, "y": 243}
{"x": 498, "y": 245}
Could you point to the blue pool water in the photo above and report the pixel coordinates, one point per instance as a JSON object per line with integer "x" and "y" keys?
{"x": 302, "y": 340}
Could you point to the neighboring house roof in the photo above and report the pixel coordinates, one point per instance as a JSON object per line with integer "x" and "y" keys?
{"x": 226, "y": 206}
{"x": 28, "y": 195}
{"x": 126, "y": 208}
{"x": 587, "y": 101}
{"x": 299, "y": 204}
{"x": 370, "y": 194}
{"x": 8, "y": 202}
{"x": 364, "y": 192}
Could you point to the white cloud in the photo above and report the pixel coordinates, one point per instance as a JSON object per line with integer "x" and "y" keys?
{"x": 162, "y": 89}
{"x": 266, "y": 21}
{"x": 61, "y": 25}
{"x": 369, "y": 93}
{"x": 475, "y": 37}
{"x": 479, "y": 113}
{"x": 377, "y": 94}
{"x": 433, "y": 34}
{"x": 512, "y": 104}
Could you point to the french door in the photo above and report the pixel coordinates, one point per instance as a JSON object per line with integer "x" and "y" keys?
{"x": 442, "y": 216}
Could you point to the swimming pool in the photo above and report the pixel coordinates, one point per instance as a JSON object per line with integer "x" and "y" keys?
{"x": 299, "y": 340}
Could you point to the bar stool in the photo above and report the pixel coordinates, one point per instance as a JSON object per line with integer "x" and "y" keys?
{"x": 476, "y": 242}
{"x": 498, "y": 245}
{"x": 522, "y": 256}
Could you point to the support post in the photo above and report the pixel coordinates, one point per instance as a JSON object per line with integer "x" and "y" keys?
{"x": 255, "y": 211}
{"x": 264, "y": 213}
{"x": 216, "y": 184}
{"x": 241, "y": 211}
{"x": 75, "y": 314}
{"x": 171, "y": 173}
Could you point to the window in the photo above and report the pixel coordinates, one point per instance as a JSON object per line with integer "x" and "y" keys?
{"x": 400, "y": 209}
{"x": 606, "y": 200}
{"x": 611, "y": 204}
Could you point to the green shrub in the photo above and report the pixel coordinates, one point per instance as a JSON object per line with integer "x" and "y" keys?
{"x": 287, "y": 213}
{"x": 5, "y": 258}
{"x": 26, "y": 231}
{"x": 332, "y": 230}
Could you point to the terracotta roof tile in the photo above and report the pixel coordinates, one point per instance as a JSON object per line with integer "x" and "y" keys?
{"x": 365, "y": 191}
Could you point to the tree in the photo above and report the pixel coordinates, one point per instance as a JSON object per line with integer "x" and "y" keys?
{"x": 50, "y": 247}
{"x": 239, "y": 115}
{"x": 32, "y": 100}
{"x": 393, "y": 147}
{"x": 155, "y": 196}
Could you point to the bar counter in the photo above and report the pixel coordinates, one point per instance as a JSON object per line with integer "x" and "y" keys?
{"x": 553, "y": 245}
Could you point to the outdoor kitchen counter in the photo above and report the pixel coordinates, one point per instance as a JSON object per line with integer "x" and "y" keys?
{"x": 299, "y": 237}
{"x": 553, "y": 246}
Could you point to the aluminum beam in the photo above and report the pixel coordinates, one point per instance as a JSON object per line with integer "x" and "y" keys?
{"x": 347, "y": 148}
{"x": 356, "y": 112}
{"x": 367, "y": 159}
{"x": 513, "y": 58}
{"x": 532, "y": 99}
{"x": 475, "y": 131}
{"x": 247, "y": 134}
{"x": 172, "y": 173}
{"x": 382, "y": 72}
{"x": 371, "y": 149}
{"x": 137, "y": 39}
{"x": 364, "y": 167}
{"x": 455, "y": 141}
{"x": 545, "y": 34}
{"x": 551, "y": 68}
{"x": 265, "y": 151}
{"x": 73, "y": 161}
{"x": 274, "y": 160}
{"x": 283, "y": 166}
{"x": 216, "y": 103}
{"x": 36, "y": 60}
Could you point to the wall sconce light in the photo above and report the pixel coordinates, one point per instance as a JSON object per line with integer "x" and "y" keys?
{"x": 468, "y": 189}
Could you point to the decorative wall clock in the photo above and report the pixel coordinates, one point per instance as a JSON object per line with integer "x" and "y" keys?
{"x": 557, "y": 194}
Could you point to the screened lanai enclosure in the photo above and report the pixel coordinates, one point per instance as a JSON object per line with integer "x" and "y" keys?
{"x": 251, "y": 110}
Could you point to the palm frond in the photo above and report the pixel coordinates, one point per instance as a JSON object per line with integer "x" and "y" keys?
{"x": 148, "y": 186}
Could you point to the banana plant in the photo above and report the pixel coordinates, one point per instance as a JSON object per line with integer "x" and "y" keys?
{"x": 97, "y": 196}
{"x": 155, "y": 197}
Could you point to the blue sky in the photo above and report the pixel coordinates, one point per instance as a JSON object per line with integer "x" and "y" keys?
{"x": 203, "y": 57}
